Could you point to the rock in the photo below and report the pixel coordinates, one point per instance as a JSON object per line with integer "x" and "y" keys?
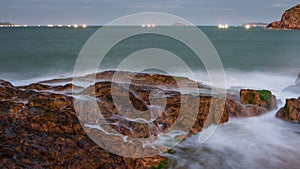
{"x": 237, "y": 110}
{"x": 5, "y": 84}
{"x": 250, "y": 103}
{"x": 40, "y": 128}
{"x": 139, "y": 96}
{"x": 289, "y": 20}
{"x": 294, "y": 88}
{"x": 262, "y": 98}
{"x": 291, "y": 110}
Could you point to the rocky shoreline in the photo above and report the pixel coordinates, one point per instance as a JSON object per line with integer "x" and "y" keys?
{"x": 40, "y": 127}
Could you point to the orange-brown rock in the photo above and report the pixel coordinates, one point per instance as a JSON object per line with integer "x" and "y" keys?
{"x": 39, "y": 127}
{"x": 41, "y": 130}
{"x": 139, "y": 98}
{"x": 262, "y": 98}
{"x": 289, "y": 20}
{"x": 250, "y": 103}
{"x": 291, "y": 111}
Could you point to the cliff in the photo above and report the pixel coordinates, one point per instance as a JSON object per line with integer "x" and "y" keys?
{"x": 289, "y": 20}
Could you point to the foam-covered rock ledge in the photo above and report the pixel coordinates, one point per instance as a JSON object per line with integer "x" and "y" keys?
{"x": 289, "y": 20}
{"x": 291, "y": 111}
{"x": 39, "y": 127}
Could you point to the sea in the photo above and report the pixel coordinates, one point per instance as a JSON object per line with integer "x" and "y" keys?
{"x": 252, "y": 58}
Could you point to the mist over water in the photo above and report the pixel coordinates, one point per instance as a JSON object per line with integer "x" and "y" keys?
{"x": 257, "y": 142}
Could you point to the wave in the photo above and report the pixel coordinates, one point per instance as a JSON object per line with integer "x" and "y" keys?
{"x": 273, "y": 81}
{"x": 269, "y": 80}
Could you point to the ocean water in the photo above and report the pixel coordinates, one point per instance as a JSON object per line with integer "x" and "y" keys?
{"x": 30, "y": 53}
{"x": 255, "y": 58}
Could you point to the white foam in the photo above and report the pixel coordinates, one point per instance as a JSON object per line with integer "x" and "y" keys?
{"x": 257, "y": 142}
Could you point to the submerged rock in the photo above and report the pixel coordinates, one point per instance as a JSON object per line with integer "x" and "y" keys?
{"x": 291, "y": 110}
{"x": 289, "y": 20}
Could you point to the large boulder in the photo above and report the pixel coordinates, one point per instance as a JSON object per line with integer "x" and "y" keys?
{"x": 291, "y": 110}
{"x": 250, "y": 103}
{"x": 289, "y": 20}
{"x": 262, "y": 98}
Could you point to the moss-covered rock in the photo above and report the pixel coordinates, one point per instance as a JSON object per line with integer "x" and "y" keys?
{"x": 291, "y": 110}
{"x": 262, "y": 98}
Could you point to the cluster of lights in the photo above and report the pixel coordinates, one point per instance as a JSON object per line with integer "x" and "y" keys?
{"x": 221, "y": 26}
{"x": 69, "y": 26}
{"x": 13, "y": 26}
{"x": 247, "y": 26}
{"x": 49, "y": 26}
{"x": 148, "y": 25}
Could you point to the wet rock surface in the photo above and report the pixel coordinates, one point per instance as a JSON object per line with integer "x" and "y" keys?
{"x": 291, "y": 111}
{"x": 289, "y": 20}
{"x": 250, "y": 103}
{"x": 40, "y": 128}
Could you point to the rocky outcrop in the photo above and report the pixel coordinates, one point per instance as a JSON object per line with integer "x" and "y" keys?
{"x": 294, "y": 88}
{"x": 250, "y": 103}
{"x": 289, "y": 20}
{"x": 291, "y": 110}
{"x": 40, "y": 128}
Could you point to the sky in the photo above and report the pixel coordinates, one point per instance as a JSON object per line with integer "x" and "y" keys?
{"x": 99, "y": 12}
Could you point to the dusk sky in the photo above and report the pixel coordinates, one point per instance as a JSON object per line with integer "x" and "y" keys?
{"x": 200, "y": 12}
